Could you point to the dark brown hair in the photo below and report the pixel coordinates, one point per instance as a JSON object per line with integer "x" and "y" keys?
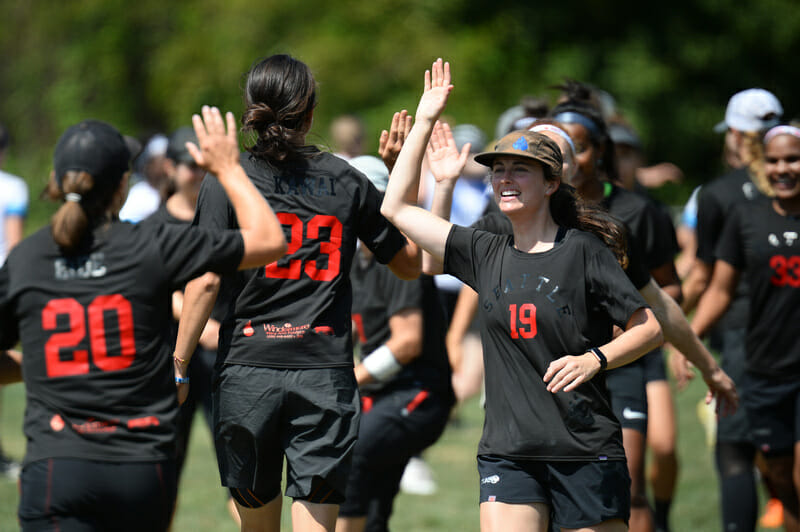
{"x": 569, "y": 210}
{"x": 71, "y": 221}
{"x": 280, "y": 93}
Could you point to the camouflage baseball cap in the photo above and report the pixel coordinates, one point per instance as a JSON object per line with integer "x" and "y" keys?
{"x": 528, "y": 145}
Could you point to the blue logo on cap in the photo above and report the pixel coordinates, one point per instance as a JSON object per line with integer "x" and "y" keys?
{"x": 520, "y": 144}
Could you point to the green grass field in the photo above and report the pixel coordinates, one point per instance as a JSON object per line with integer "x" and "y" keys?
{"x": 201, "y": 501}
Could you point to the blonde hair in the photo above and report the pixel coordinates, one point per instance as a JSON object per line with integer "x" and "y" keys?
{"x": 752, "y": 155}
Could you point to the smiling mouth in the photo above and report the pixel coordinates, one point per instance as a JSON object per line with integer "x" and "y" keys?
{"x": 784, "y": 182}
{"x": 509, "y": 193}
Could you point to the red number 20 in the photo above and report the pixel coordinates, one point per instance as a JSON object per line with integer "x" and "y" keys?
{"x": 79, "y": 363}
{"x": 526, "y": 316}
{"x": 331, "y": 248}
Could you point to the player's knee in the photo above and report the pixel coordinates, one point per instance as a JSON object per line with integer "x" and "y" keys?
{"x": 248, "y": 498}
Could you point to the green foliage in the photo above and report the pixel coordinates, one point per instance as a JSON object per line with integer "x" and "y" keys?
{"x": 147, "y": 66}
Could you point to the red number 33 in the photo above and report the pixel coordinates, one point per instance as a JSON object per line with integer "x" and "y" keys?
{"x": 331, "y": 248}
{"x": 787, "y": 270}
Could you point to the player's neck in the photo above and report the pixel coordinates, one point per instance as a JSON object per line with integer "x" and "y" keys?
{"x": 787, "y": 206}
{"x": 536, "y": 234}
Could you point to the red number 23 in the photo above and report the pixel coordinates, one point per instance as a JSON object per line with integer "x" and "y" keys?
{"x": 329, "y": 248}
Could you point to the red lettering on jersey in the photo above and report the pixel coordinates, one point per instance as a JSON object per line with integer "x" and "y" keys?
{"x": 526, "y": 316}
{"x": 787, "y": 270}
{"x": 143, "y": 422}
{"x": 359, "y": 322}
{"x": 292, "y": 271}
{"x": 331, "y": 248}
{"x": 97, "y": 332}
{"x": 324, "y": 329}
{"x": 78, "y": 364}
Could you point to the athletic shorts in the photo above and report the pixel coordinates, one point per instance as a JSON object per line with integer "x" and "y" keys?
{"x": 579, "y": 494}
{"x": 734, "y": 428}
{"x": 75, "y": 495}
{"x": 310, "y": 416}
{"x": 773, "y": 407}
{"x": 627, "y": 389}
{"x": 394, "y": 427}
{"x": 654, "y": 367}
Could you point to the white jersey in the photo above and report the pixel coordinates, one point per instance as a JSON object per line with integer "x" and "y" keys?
{"x": 143, "y": 200}
{"x": 13, "y": 202}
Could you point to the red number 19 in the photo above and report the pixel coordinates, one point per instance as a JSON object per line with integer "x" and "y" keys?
{"x": 526, "y": 316}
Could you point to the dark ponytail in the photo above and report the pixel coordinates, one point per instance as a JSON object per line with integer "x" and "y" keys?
{"x": 89, "y": 204}
{"x": 280, "y": 94}
{"x": 569, "y": 210}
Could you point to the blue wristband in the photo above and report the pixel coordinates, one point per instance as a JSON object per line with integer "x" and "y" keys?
{"x": 181, "y": 380}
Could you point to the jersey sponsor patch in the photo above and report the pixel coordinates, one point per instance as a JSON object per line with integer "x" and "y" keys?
{"x": 493, "y": 479}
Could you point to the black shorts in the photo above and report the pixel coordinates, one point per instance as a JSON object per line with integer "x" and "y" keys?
{"x": 310, "y": 416}
{"x": 628, "y": 391}
{"x": 75, "y": 495}
{"x": 394, "y": 427}
{"x": 734, "y": 428}
{"x": 654, "y": 367}
{"x": 773, "y": 407}
{"x": 579, "y": 494}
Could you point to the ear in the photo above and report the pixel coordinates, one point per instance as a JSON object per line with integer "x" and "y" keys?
{"x": 551, "y": 187}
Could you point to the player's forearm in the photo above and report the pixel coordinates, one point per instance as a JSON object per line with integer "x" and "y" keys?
{"x": 694, "y": 285}
{"x": 198, "y": 301}
{"x": 10, "y": 367}
{"x": 678, "y": 332}
{"x": 404, "y": 182}
{"x": 264, "y": 241}
{"x": 642, "y": 335}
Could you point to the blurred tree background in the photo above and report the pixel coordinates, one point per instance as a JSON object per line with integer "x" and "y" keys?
{"x": 146, "y": 66}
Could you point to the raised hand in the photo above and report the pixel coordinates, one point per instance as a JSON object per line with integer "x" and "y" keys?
{"x": 437, "y": 90}
{"x": 445, "y": 161}
{"x": 392, "y": 141}
{"x": 219, "y": 149}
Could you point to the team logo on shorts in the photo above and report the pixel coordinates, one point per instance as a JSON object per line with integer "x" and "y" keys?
{"x": 494, "y": 479}
{"x": 57, "y": 423}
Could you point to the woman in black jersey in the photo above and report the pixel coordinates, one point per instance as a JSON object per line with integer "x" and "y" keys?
{"x": 405, "y": 407}
{"x": 549, "y": 298}
{"x": 285, "y": 344}
{"x": 760, "y": 241}
{"x": 89, "y": 297}
{"x": 639, "y": 391}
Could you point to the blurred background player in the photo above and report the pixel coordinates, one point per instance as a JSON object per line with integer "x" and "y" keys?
{"x": 404, "y": 410}
{"x": 150, "y": 181}
{"x": 13, "y": 209}
{"x": 748, "y": 115}
{"x": 347, "y": 136}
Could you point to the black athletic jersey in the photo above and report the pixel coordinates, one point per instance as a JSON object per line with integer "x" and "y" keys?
{"x": 714, "y": 204}
{"x": 163, "y": 216}
{"x": 95, "y": 332}
{"x": 537, "y": 307}
{"x": 295, "y": 313}
{"x": 498, "y": 223}
{"x": 646, "y": 223}
{"x": 377, "y": 296}
{"x": 764, "y": 245}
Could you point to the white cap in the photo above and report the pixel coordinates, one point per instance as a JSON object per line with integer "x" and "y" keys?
{"x": 373, "y": 168}
{"x": 751, "y": 110}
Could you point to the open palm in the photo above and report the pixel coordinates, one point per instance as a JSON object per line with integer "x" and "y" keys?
{"x": 437, "y": 89}
{"x": 444, "y": 159}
